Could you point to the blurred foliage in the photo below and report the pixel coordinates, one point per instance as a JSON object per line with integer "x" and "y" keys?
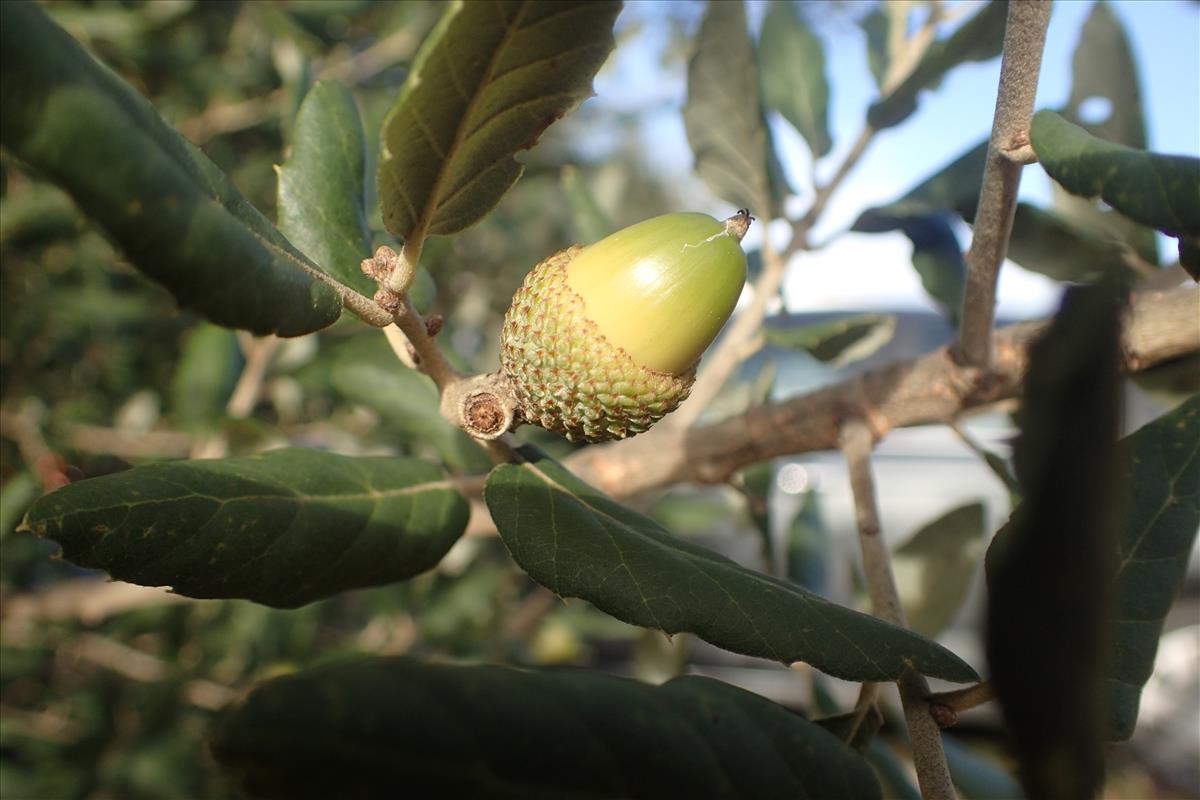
{"x": 118, "y": 705}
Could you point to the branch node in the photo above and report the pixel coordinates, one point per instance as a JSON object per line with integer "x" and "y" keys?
{"x": 483, "y": 405}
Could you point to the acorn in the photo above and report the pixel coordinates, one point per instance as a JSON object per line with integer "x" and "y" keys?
{"x": 602, "y": 341}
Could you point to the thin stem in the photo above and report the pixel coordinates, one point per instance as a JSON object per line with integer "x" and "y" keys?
{"x": 805, "y": 224}
{"x": 430, "y": 358}
{"x": 1024, "y": 38}
{"x": 965, "y": 699}
{"x": 929, "y": 757}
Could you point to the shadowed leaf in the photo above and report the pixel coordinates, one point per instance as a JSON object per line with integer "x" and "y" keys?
{"x": 579, "y": 543}
{"x": 723, "y": 115}
{"x": 1161, "y": 464}
{"x": 366, "y": 727}
{"x": 936, "y": 255}
{"x": 936, "y": 566}
{"x": 1105, "y": 92}
{"x": 978, "y": 39}
{"x": 1048, "y": 568}
{"x": 1156, "y": 190}
{"x": 283, "y": 529}
{"x": 173, "y": 212}
{"x": 876, "y": 25}
{"x": 322, "y": 185}
{"x": 792, "y": 60}
{"x": 840, "y": 342}
{"x": 488, "y": 80}
{"x": 1042, "y": 241}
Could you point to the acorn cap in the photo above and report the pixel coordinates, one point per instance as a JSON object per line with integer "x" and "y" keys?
{"x": 601, "y": 342}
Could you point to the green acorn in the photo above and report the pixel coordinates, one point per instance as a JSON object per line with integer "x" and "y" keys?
{"x": 602, "y": 341}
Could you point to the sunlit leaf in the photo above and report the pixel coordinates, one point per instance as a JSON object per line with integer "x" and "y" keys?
{"x": 838, "y": 342}
{"x": 723, "y": 115}
{"x": 792, "y": 60}
{"x": 322, "y": 185}
{"x": 488, "y": 80}
{"x": 978, "y": 39}
{"x": 1048, "y": 568}
{"x": 365, "y": 727}
{"x": 579, "y": 543}
{"x": 935, "y": 566}
{"x": 284, "y": 528}
{"x": 173, "y": 212}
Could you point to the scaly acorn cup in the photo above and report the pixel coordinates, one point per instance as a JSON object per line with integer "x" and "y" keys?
{"x": 601, "y": 342}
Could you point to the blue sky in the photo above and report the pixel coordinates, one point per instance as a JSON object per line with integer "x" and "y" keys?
{"x": 861, "y": 271}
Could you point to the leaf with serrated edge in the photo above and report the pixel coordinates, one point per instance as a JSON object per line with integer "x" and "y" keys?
{"x": 1162, "y": 471}
{"x": 723, "y": 117}
{"x": 793, "y": 75}
{"x": 489, "y": 79}
{"x": 363, "y": 728}
{"x": 579, "y": 543}
{"x": 321, "y": 196}
{"x": 173, "y": 212}
{"x": 284, "y": 528}
{"x": 1156, "y": 190}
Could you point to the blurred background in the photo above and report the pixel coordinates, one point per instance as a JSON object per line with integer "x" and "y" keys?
{"x": 106, "y": 690}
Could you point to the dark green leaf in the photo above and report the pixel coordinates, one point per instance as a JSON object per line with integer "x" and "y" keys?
{"x": 1041, "y": 241}
{"x": 937, "y": 256}
{"x": 374, "y": 727}
{"x": 284, "y": 528}
{"x": 975, "y": 776}
{"x": 488, "y": 80}
{"x": 935, "y": 566}
{"x": 1048, "y": 568}
{"x": 205, "y": 377}
{"x": 322, "y": 185}
{"x": 1049, "y": 244}
{"x": 792, "y": 61}
{"x": 979, "y": 39}
{"x": 588, "y": 218}
{"x": 1189, "y": 256}
{"x": 1156, "y": 190}
{"x": 855, "y": 728}
{"x": 174, "y": 213}
{"x": 723, "y": 116}
{"x": 1161, "y": 464}
{"x": 839, "y": 342}
{"x": 579, "y": 543}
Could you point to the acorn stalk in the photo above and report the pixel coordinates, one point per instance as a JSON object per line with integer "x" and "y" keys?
{"x": 601, "y": 342}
